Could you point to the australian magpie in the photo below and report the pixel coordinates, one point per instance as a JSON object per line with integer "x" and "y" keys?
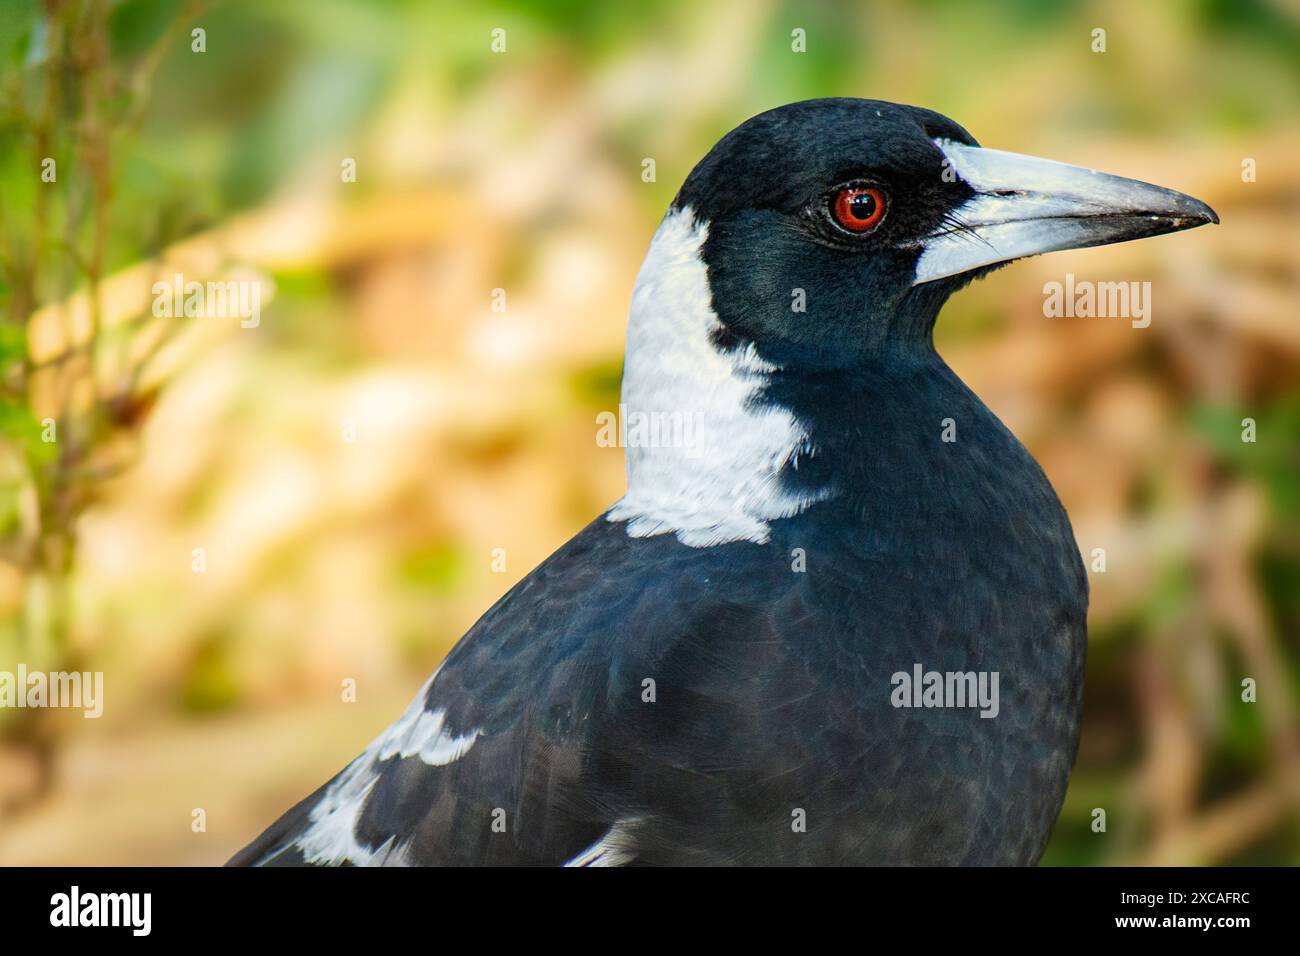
{"x": 841, "y": 619}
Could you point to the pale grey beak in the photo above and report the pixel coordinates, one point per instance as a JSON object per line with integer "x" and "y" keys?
{"x": 1024, "y": 206}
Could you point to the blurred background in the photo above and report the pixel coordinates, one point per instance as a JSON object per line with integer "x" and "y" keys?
{"x": 351, "y": 465}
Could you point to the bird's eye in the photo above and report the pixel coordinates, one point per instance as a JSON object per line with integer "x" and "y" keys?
{"x": 858, "y": 209}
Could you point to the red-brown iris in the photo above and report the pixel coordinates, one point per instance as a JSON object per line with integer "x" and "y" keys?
{"x": 858, "y": 208}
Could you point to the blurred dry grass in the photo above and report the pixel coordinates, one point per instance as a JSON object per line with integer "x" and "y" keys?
{"x": 330, "y": 560}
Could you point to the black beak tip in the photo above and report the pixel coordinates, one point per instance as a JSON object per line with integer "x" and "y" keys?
{"x": 1200, "y": 214}
{"x": 1188, "y": 213}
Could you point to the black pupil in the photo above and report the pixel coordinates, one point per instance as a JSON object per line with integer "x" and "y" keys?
{"x": 862, "y": 206}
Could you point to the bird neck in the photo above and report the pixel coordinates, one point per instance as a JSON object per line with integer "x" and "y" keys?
{"x": 908, "y": 461}
{"x": 721, "y": 443}
{"x": 706, "y": 454}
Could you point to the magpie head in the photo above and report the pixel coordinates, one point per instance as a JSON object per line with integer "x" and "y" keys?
{"x": 816, "y": 241}
{"x": 836, "y": 228}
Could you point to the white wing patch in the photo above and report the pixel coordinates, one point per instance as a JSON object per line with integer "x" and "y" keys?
{"x": 422, "y": 733}
{"x": 331, "y": 838}
{"x": 720, "y": 480}
{"x": 613, "y": 849}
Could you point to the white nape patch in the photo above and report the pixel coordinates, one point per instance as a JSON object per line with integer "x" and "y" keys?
{"x": 723, "y": 484}
{"x": 613, "y": 849}
{"x": 331, "y": 838}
